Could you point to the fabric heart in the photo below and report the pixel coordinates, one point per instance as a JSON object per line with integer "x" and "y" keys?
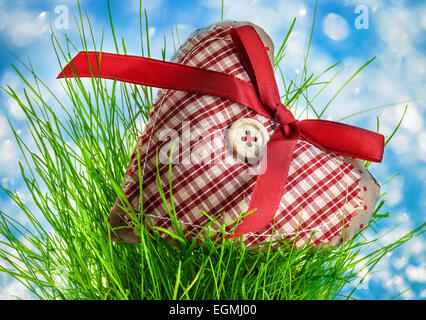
{"x": 327, "y": 198}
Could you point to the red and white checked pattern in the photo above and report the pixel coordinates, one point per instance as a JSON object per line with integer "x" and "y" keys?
{"x": 321, "y": 192}
{"x": 320, "y": 197}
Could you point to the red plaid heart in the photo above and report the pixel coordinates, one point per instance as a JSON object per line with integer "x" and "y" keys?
{"x": 322, "y": 194}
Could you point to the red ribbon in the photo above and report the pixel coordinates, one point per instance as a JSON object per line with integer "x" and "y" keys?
{"x": 261, "y": 95}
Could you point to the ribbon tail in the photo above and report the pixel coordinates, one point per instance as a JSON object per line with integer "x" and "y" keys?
{"x": 162, "y": 74}
{"x": 269, "y": 186}
{"x": 343, "y": 139}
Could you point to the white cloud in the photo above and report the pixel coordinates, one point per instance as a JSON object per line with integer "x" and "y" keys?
{"x": 11, "y": 79}
{"x": 4, "y": 127}
{"x": 15, "y": 289}
{"x": 9, "y": 152}
{"x": 13, "y": 255}
{"x": 295, "y": 50}
{"x": 396, "y": 28}
{"x": 413, "y": 67}
{"x": 400, "y": 143}
{"x": 23, "y": 27}
{"x": 3, "y": 19}
{"x": 22, "y": 195}
{"x": 7, "y": 182}
{"x": 402, "y": 218}
{"x": 409, "y": 139}
{"x": 391, "y": 236}
{"x": 396, "y": 282}
{"x": 416, "y": 273}
{"x": 394, "y": 192}
{"x": 423, "y": 18}
{"x": 266, "y": 17}
{"x": 408, "y": 295}
{"x": 415, "y": 247}
{"x": 399, "y": 263}
{"x": 335, "y": 27}
{"x": 15, "y": 109}
{"x": 289, "y": 10}
{"x": 413, "y": 120}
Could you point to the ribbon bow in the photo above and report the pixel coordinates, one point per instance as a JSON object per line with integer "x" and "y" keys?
{"x": 261, "y": 95}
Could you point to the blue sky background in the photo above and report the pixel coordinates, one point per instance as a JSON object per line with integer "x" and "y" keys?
{"x": 395, "y": 34}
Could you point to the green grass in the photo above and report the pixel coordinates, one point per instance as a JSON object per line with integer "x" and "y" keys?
{"x": 74, "y": 175}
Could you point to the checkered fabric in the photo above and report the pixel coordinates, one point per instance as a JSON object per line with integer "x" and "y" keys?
{"x": 322, "y": 192}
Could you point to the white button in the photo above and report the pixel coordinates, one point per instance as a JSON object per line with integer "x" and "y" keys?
{"x": 247, "y": 139}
